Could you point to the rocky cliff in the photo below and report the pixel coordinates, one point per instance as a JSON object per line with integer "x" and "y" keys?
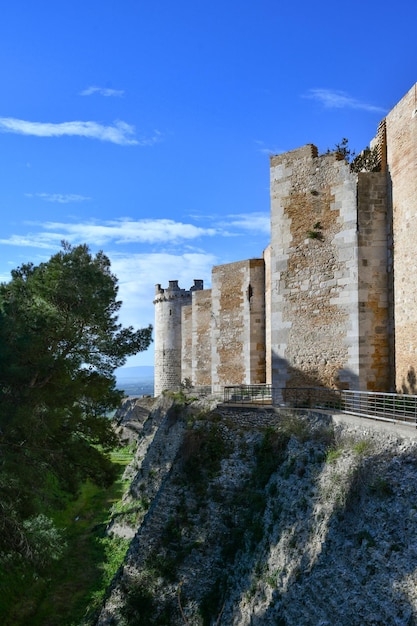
{"x": 245, "y": 518}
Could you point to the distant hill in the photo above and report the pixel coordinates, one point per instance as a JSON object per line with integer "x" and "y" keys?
{"x": 136, "y": 381}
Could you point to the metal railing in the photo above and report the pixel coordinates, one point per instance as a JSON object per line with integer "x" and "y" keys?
{"x": 242, "y": 394}
{"x": 392, "y": 407}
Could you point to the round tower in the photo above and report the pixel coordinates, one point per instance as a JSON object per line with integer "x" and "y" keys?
{"x": 168, "y": 305}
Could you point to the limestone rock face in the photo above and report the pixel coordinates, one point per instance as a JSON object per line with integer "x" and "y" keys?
{"x": 260, "y": 518}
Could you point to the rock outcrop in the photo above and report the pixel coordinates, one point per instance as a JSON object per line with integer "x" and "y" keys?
{"x": 262, "y": 517}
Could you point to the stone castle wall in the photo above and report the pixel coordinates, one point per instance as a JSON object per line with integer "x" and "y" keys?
{"x": 186, "y": 343}
{"x": 314, "y": 255}
{"x": 333, "y": 300}
{"x": 238, "y": 333}
{"x": 401, "y": 132}
{"x": 375, "y": 322}
{"x": 212, "y": 337}
{"x": 268, "y": 305}
{"x": 201, "y": 338}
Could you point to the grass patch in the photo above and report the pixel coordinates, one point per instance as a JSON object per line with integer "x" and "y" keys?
{"x": 363, "y": 447}
{"x": 74, "y": 586}
{"x": 333, "y": 454}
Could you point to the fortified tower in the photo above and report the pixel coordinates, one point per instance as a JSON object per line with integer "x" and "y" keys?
{"x": 168, "y": 308}
{"x": 332, "y": 301}
{"x": 329, "y": 273}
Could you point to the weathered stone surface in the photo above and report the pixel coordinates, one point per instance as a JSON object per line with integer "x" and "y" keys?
{"x": 401, "y": 130}
{"x": 329, "y": 540}
{"x": 238, "y": 331}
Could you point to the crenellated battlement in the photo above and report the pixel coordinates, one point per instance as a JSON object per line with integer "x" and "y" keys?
{"x": 173, "y": 291}
{"x": 169, "y": 303}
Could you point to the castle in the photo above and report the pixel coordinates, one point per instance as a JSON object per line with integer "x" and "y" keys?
{"x": 333, "y": 300}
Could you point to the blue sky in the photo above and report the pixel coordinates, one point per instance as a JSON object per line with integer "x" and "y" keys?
{"x": 144, "y": 129}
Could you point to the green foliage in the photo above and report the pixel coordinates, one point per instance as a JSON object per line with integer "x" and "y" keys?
{"x": 298, "y": 426}
{"x": 114, "y": 550}
{"x": 363, "y": 447}
{"x": 129, "y": 512}
{"x": 211, "y": 602}
{"x": 181, "y": 398}
{"x": 73, "y": 585}
{"x": 342, "y": 148}
{"x": 366, "y": 161}
{"x": 315, "y": 232}
{"x": 141, "y": 607}
{"x": 60, "y": 342}
{"x": 45, "y": 541}
{"x": 202, "y": 451}
{"x": 333, "y": 454}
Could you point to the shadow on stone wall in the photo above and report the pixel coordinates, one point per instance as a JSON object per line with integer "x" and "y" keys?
{"x": 328, "y": 376}
{"x": 410, "y": 386}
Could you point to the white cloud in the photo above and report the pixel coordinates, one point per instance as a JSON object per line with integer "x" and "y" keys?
{"x": 164, "y": 233}
{"x": 123, "y": 231}
{"x": 138, "y": 273}
{"x": 335, "y": 99}
{"x": 161, "y": 267}
{"x": 120, "y": 133}
{"x": 131, "y": 231}
{"x": 256, "y": 222}
{"x": 58, "y": 197}
{"x": 267, "y": 150}
{"x": 156, "y": 137}
{"x": 44, "y": 241}
{"x": 102, "y": 91}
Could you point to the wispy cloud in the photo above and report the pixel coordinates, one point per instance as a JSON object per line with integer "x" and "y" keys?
{"x": 156, "y": 137}
{"x": 136, "y": 273}
{"x": 123, "y": 231}
{"x": 132, "y": 231}
{"x": 182, "y": 267}
{"x": 335, "y": 99}
{"x": 262, "y": 147}
{"x": 102, "y": 91}
{"x": 137, "y": 276}
{"x": 44, "y": 241}
{"x": 167, "y": 251}
{"x": 58, "y": 197}
{"x": 119, "y": 133}
{"x": 256, "y": 222}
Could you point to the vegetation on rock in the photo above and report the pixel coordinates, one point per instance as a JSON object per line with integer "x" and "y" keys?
{"x": 367, "y": 160}
{"x": 259, "y": 517}
{"x": 269, "y": 518}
